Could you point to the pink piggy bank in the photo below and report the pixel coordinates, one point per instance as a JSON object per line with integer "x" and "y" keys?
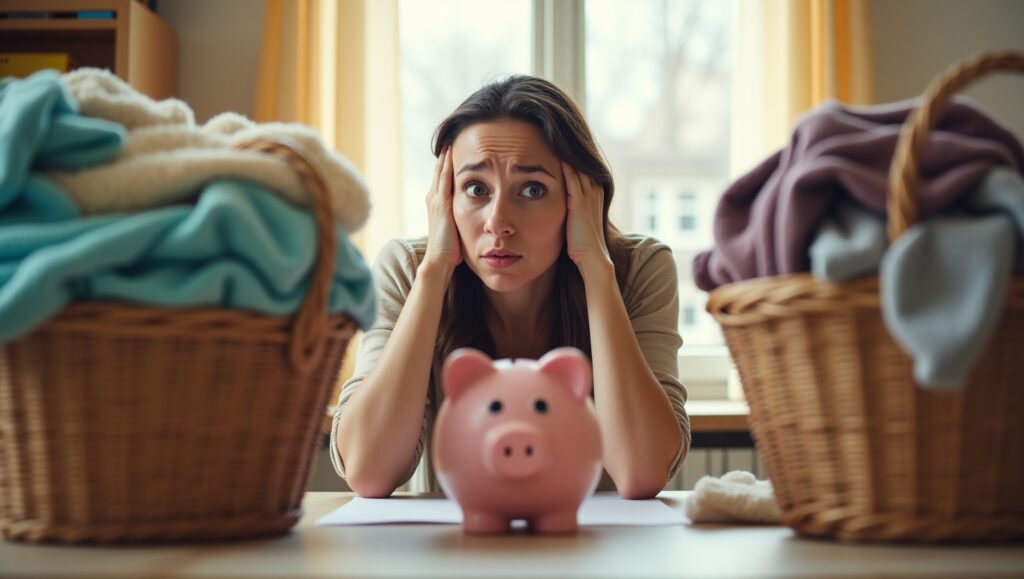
{"x": 517, "y": 439}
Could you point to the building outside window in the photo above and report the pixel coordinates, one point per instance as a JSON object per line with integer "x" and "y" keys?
{"x": 652, "y": 213}
{"x": 687, "y": 207}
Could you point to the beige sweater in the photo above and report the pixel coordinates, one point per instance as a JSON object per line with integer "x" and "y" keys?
{"x": 652, "y": 302}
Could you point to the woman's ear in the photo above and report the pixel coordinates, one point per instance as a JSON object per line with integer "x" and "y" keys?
{"x": 463, "y": 368}
{"x": 569, "y": 367}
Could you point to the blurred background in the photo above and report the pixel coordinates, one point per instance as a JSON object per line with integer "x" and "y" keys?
{"x": 684, "y": 97}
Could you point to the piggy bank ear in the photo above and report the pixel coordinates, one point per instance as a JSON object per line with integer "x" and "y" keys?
{"x": 569, "y": 367}
{"x": 462, "y": 369}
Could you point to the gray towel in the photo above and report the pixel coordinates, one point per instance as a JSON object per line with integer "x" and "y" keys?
{"x": 944, "y": 281}
{"x": 849, "y": 245}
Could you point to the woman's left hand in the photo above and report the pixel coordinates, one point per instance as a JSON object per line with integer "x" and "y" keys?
{"x": 584, "y": 229}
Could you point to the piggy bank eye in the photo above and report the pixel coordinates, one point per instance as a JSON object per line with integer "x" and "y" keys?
{"x": 495, "y": 407}
{"x": 541, "y": 406}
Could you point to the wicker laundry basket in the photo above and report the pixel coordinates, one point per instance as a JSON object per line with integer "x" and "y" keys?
{"x": 121, "y": 423}
{"x": 855, "y": 449}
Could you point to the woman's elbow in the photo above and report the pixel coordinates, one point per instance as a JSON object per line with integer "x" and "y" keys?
{"x": 366, "y": 479}
{"x": 640, "y": 490}
{"x": 368, "y": 484}
{"x": 638, "y": 486}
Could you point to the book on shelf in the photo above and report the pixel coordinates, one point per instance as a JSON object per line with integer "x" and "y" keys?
{"x": 22, "y": 64}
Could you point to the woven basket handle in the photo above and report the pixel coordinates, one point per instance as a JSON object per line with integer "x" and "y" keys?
{"x": 903, "y": 173}
{"x": 311, "y": 321}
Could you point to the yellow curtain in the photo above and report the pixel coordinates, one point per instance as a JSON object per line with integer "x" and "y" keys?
{"x": 790, "y": 56}
{"x": 333, "y": 65}
{"x": 308, "y": 47}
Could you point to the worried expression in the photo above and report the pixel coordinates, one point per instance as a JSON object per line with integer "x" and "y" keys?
{"x": 509, "y": 202}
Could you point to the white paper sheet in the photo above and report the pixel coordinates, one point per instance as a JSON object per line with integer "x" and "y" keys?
{"x": 597, "y": 510}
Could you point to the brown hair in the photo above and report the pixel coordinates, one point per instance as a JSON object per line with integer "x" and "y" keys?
{"x": 545, "y": 106}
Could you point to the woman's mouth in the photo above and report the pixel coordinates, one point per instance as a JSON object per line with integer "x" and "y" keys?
{"x": 500, "y": 260}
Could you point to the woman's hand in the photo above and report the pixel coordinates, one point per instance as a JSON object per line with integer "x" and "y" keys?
{"x": 584, "y": 230}
{"x": 444, "y": 249}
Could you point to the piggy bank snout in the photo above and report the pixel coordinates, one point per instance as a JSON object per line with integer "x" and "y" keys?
{"x": 514, "y": 450}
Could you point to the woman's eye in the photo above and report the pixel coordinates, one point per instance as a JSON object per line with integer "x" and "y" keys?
{"x": 534, "y": 191}
{"x": 474, "y": 189}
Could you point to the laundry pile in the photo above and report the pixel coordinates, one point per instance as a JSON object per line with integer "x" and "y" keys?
{"x": 107, "y": 195}
{"x": 819, "y": 205}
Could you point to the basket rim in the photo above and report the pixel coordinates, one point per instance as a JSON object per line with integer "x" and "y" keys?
{"x": 311, "y": 319}
{"x": 120, "y": 318}
{"x": 754, "y": 300}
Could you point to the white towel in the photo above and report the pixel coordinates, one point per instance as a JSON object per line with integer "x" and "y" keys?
{"x": 736, "y": 497}
{"x": 167, "y": 158}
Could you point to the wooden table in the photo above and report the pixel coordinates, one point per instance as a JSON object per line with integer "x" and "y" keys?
{"x": 444, "y": 551}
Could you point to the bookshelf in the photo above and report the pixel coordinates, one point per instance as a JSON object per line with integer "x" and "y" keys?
{"x": 135, "y": 43}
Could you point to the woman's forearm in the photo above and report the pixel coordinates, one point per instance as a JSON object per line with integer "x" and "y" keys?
{"x": 380, "y": 425}
{"x": 639, "y": 431}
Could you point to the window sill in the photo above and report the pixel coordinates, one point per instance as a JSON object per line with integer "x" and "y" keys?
{"x": 718, "y": 415}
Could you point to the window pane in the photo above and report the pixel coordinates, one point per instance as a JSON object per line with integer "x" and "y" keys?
{"x": 447, "y": 52}
{"x": 659, "y": 77}
{"x": 687, "y": 207}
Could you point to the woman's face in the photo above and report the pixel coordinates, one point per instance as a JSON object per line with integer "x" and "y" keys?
{"x": 509, "y": 202}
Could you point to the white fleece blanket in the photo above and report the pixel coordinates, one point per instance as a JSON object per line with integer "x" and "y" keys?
{"x": 736, "y": 497}
{"x": 167, "y": 158}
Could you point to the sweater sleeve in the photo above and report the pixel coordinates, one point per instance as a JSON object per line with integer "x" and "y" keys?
{"x": 393, "y": 275}
{"x": 651, "y": 297}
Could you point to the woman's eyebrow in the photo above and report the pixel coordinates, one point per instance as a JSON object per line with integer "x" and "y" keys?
{"x": 515, "y": 168}
{"x": 531, "y": 169}
{"x": 473, "y": 166}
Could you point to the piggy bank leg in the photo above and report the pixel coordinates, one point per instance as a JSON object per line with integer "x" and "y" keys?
{"x": 555, "y": 523}
{"x": 483, "y": 523}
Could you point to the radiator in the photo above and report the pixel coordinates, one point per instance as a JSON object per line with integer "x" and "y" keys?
{"x": 714, "y": 462}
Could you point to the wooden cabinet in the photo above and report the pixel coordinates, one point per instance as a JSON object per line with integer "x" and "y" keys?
{"x": 134, "y": 43}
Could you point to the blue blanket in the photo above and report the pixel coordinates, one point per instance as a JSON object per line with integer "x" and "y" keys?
{"x": 240, "y": 246}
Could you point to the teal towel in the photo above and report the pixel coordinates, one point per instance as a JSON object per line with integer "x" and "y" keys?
{"x": 240, "y": 246}
{"x": 40, "y": 128}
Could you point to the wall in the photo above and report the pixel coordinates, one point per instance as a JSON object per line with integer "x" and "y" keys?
{"x": 218, "y": 49}
{"x": 916, "y": 39}
{"x": 218, "y": 52}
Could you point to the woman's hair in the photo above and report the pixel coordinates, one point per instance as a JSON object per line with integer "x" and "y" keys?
{"x": 545, "y": 106}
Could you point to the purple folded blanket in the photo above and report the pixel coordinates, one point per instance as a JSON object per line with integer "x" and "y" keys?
{"x": 766, "y": 220}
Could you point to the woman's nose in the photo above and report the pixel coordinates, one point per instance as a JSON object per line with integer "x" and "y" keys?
{"x": 498, "y": 223}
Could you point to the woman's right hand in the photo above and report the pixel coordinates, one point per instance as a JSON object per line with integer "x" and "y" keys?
{"x": 444, "y": 248}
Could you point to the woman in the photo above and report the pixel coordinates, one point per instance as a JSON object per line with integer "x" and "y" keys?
{"x": 520, "y": 258}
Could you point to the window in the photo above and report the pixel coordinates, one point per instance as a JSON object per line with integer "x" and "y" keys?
{"x": 658, "y": 78}
{"x": 445, "y": 55}
{"x": 658, "y": 88}
{"x": 654, "y": 78}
